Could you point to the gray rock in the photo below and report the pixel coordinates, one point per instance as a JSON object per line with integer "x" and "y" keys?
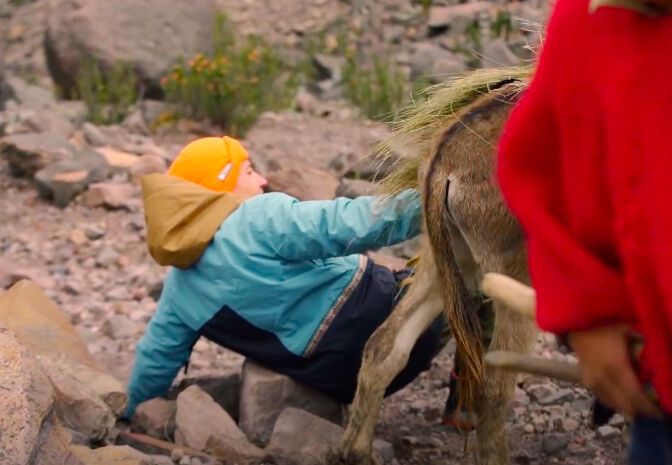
{"x": 147, "y": 35}
{"x": 31, "y": 433}
{"x": 110, "y": 455}
{"x": 329, "y": 68}
{"x": 77, "y": 404}
{"x": 63, "y": 180}
{"x": 434, "y": 63}
{"x": 156, "y": 418}
{"x": 135, "y": 123}
{"x": 497, "y": 54}
{"x": 300, "y": 438}
{"x": 106, "y": 257}
{"x": 303, "y": 182}
{"x": 224, "y": 388}
{"x": 265, "y": 394}
{"x": 552, "y": 444}
{"x": 29, "y": 95}
{"x": 119, "y": 327}
{"x": 607, "y": 431}
{"x": 201, "y": 423}
{"x": 353, "y": 188}
{"x": 559, "y": 397}
{"x": 29, "y": 153}
{"x": 113, "y": 196}
{"x": 147, "y": 164}
{"x": 94, "y": 135}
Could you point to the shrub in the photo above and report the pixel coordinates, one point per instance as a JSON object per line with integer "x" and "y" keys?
{"x": 108, "y": 96}
{"x": 378, "y": 89}
{"x": 234, "y": 84}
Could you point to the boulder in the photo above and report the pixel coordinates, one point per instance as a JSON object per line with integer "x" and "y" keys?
{"x": 353, "y": 188}
{"x": 147, "y": 164}
{"x": 265, "y": 394}
{"x": 224, "y": 388}
{"x": 63, "y": 180}
{"x": 155, "y": 418}
{"x": 31, "y": 433}
{"x": 146, "y": 35}
{"x": 29, "y": 153}
{"x": 497, "y": 54}
{"x": 112, "y": 196}
{"x": 303, "y": 182}
{"x": 119, "y": 161}
{"x": 202, "y": 424}
{"x": 107, "y": 388}
{"x": 435, "y": 64}
{"x": 40, "y": 325}
{"x": 77, "y": 404}
{"x": 110, "y": 455}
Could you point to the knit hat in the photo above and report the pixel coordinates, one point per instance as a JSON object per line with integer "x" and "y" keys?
{"x": 212, "y": 162}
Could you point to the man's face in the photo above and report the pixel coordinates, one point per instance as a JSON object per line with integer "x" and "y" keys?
{"x": 250, "y": 183}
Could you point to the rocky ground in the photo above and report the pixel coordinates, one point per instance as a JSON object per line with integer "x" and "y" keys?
{"x": 71, "y": 221}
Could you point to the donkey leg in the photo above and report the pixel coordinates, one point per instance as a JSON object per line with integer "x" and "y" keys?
{"x": 385, "y": 355}
{"x": 515, "y": 333}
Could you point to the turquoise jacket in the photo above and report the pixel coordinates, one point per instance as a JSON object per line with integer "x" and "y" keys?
{"x": 282, "y": 265}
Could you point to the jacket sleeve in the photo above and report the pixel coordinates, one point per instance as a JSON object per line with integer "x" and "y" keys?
{"x": 576, "y": 287}
{"x": 311, "y": 230}
{"x": 162, "y": 351}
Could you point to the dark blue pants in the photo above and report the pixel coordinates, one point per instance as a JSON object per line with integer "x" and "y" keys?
{"x": 651, "y": 442}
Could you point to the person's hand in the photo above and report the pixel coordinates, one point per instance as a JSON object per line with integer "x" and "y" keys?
{"x": 607, "y": 369}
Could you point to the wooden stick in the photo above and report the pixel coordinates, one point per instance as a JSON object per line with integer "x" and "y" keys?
{"x": 513, "y": 361}
{"x": 163, "y": 445}
{"x": 513, "y": 294}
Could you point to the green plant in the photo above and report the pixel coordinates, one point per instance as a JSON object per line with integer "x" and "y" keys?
{"x": 234, "y": 84}
{"x": 378, "y": 89}
{"x": 108, "y": 94}
{"x": 502, "y": 26}
{"x": 426, "y": 4}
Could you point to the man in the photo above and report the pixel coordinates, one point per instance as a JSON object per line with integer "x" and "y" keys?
{"x": 279, "y": 281}
{"x": 586, "y": 165}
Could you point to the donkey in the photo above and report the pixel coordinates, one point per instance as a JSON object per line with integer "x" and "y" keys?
{"x": 469, "y": 231}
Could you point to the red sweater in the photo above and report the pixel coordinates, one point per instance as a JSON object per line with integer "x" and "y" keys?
{"x": 586, "y": 165}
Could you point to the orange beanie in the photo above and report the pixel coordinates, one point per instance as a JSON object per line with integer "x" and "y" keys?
{"x": 212, "y": 162}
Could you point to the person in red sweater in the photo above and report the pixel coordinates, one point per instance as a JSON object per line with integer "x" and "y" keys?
{"x": 585, "y": 163}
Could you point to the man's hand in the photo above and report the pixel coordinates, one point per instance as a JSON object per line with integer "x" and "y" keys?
{"x": 607, "y": 369}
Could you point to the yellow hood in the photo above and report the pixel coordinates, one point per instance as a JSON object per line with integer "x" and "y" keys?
{"x": 182, "y": 218}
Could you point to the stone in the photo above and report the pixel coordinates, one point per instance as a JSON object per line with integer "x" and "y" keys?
{"x": 303, "y": 182}
{"x": 301, "y": 438}
{"x": 558, "y": 398}
{"x": 77, "y": 404}
{"x": 31, "y": 432}
{"x": 110, "y": 195}
{"x": 443, "y": 16}
{"x": 63, "y": 180}
{"x": 224, "y": 388}
{"x": 109, "y": 389}
{"x": 147, "y": 164}
{"x": 201, "y": 423}
{"x": 155, "y": 418}
{"x": 135, "y": 123}
{"x": 147, "y": 36}
{"x": 110, "y": 455}
{"x": 328, "y": 67}
{"x": 94, "y": 135}
{"x": 119, "y": 327}
{"x": 435, "y": 64}
{"x": 119, "y": 161}
{"x": 497, "y": 54}
{"x": 552, "y": 444}
{"x": 106, "y": 257}
{"x": 40, "y": 325}
{"x": 265, "y": 394}
{"x": 353, "y": 188}
{"x": 607, "y": 431}
{"x": 29, "y": 153}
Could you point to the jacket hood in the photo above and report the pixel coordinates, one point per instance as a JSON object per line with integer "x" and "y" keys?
{"x": 182, "y": 218}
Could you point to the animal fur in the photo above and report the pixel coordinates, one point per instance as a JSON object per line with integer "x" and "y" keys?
{"x": 452, "y": 139}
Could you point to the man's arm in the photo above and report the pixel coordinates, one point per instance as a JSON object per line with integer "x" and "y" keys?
{"x": 311, "y": 230}
{"x": 162, "y": 351}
